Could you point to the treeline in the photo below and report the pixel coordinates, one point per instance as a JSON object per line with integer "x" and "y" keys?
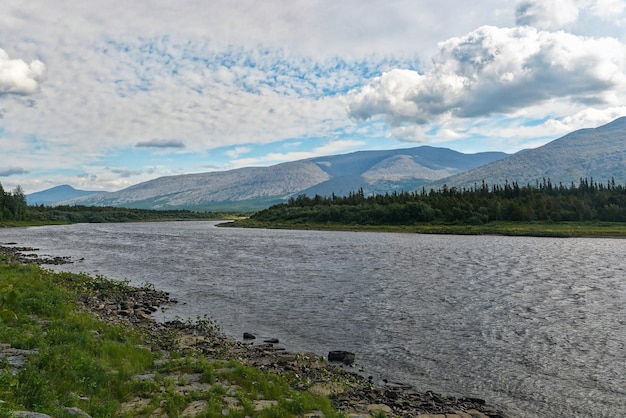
{"x": 99, "y": 214}
{"x": 13, "y": 206}
{"x": 543, "y": 201}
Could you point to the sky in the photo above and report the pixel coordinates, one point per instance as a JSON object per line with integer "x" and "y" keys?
{"x": 105, "y": 94}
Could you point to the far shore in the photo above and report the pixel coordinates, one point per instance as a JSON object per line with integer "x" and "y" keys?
{"x": 530, "y": 229}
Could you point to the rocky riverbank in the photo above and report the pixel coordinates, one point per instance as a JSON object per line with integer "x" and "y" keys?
{"x": 348, "y": 391}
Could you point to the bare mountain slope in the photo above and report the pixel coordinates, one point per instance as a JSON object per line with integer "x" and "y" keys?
{"x": 262, "y": 184}
{"x": 259, "y": 187}
{"x": 598, "y": 153}
{"x": 56, "y": 194}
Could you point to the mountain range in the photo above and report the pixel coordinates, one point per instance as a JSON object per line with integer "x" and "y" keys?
{"x": 255, "y": 188}
{"x": 598, "y": 153}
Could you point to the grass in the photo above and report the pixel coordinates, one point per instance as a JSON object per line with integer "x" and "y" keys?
{"x": 15, "y": 224}
{"x": 80, "y": 361}
{"x": 538, "y": 229}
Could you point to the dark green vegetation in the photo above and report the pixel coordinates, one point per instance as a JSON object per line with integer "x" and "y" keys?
{"x": 590, "y": 208}
{"x": 74, "y": 360}
{"x": 86, "y": 214}
{"x": 15, "y": 212}
{"x": 12, "y": 205}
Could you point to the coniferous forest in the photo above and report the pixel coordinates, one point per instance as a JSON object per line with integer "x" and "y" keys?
{"x": 543, "y": 201}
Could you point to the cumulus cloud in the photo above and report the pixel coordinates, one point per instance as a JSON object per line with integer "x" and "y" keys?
{"x": 497, "y": 70}
{"x": 12, "y": 171}
{"x": 160, "y": 143}
{"x": 19, "y": 77}
{"x": 546, "y": 14}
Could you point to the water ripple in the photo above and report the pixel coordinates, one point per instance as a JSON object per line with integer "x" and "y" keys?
{"x": 533, "y": 325}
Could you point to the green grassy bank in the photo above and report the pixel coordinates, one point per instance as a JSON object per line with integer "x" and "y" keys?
{"x": 537, "y": 229}
{"x": 75, "y": 361}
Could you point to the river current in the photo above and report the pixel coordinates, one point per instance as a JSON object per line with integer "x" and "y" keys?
{"x": 535, "y": 326}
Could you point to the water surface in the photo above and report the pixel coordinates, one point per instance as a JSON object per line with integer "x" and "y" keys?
{"x": 535, "y": 326}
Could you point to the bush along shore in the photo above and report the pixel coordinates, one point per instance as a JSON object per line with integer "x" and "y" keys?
{"x": 72, "y": 345}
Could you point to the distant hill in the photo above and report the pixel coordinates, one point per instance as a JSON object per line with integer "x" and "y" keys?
{"x": 598, "y": 153}
{"x": 255, "y": 188}
{"x": 57, "y": 194}
{"x": 379, "y": 172}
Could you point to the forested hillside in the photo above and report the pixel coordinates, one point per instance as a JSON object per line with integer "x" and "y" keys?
{"x": 543, "y": 201}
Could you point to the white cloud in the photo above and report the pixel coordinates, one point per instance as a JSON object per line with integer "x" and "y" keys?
{"x": 237, "y": 151}
{"x": 498, "y": 70}
{"x": 332, "y": 147}
{"x": 608, "y": 9}
{"x": 586, "y": 118}
{"x": 546, "y": 14}
{"x": 429, "y": 134}
{"x": 391, "y": 94}
{"x": 516, "y": 134}
{"x": 410, "y": 133}
{"x": 18, "y": 76}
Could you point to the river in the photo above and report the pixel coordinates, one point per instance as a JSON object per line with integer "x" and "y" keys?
{"x": 535, "y": 326}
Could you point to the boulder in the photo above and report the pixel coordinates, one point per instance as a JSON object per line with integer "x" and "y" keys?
{"x": 345, "y": 357}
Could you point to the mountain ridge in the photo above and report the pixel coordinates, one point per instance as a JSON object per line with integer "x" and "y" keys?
{"x": 254, "y": 188}
{"x": 598, "y": 153}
